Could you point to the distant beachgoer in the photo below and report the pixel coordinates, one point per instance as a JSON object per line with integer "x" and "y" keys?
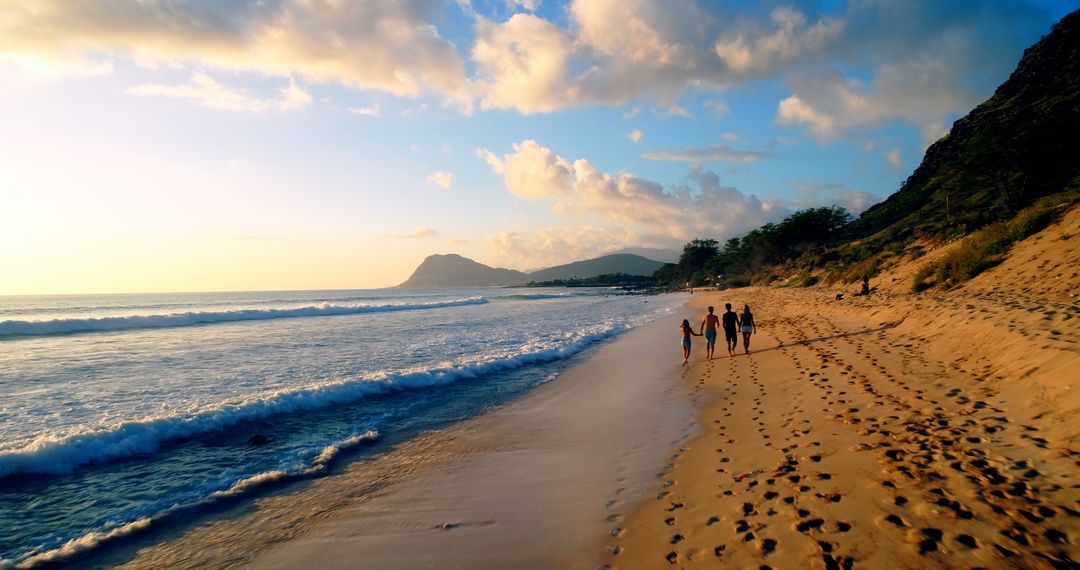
{"x": 708, "y": 327}
{"x": 687, "y": 332}
{"x": 748, "y": 327}
{"x": 865, "y": 285}
{"x": 731, "y": 327}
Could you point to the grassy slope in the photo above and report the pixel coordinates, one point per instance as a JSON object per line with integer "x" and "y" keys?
{"x": 1010, "y": 160}
{"x": 1018, "y": 146}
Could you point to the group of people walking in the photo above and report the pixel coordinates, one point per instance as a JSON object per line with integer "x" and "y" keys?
{"x": 730, "y": 321}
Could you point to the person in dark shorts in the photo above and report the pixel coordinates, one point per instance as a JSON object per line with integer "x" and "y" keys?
{"x": 708, "y": 327}
{"x": 731, "y": 329}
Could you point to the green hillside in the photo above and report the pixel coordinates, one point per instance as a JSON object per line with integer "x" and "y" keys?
{"x": 1018, "y": 146}
{"x": 626, "y": 263}
{"x": 1003, "y": 171}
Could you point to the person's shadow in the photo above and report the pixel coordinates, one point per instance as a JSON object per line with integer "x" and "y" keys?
{"x": 806, "y": 341}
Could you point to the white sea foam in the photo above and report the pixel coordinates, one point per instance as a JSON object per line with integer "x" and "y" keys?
{"x": 82, "y": 544}
{"x": 13, "y": 328}
{"x": 78, "y": 545}
{"x": 58, "y": 454}
{"x": 537, "y": 296}
{"x": 318, "y": 465}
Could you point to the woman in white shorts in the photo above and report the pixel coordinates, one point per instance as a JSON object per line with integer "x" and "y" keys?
{"x": 748, "y": 327}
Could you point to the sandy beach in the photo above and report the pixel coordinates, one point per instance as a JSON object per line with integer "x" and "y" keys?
{"x": 896, "y": 431}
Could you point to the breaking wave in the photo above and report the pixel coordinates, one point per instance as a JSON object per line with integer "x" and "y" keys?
{"x": 52, "y": 454}
{"x": 85, "y": 543}
{"x": 15, "y": 328}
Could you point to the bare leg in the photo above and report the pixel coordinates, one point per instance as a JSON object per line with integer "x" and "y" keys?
{"x": 746, "y": 342}
{"x": 685, "y": 354}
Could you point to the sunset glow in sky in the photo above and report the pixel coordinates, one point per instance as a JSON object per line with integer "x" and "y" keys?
{"x": 189, "y": 145}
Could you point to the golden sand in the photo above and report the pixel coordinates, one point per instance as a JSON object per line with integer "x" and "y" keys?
{"x": 895, "y": 431}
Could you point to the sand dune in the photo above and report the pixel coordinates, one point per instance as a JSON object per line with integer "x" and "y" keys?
{"x": 896, "y": 431}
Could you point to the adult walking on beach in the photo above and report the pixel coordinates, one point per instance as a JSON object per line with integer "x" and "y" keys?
{"x": 708, "y": 326}
{"x": 748, "y": 327}
{"x": 731, "y": 327}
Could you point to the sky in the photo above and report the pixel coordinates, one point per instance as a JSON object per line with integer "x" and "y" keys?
{"x": 193, "y": 145}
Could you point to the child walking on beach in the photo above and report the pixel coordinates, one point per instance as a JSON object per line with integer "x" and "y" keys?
{"x": 748, "y": 327}
{"x": 687, "y": 332}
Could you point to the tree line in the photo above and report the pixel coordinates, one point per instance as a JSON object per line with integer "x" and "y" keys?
{"x": 604, "y": 280}
{"x": 741, "y": 259}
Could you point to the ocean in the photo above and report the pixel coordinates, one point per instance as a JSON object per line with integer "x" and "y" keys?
{"x": 121, "y": 412}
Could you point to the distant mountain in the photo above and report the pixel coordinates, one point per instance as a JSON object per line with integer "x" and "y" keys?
{"x": 664, "y": 255}
{"x": 1017, "y": 146}
{"x": 452, "y": 270}
{"x": 614, "y": 263}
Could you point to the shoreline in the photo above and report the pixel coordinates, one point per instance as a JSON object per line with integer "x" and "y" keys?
{"x": 538, "y": 482}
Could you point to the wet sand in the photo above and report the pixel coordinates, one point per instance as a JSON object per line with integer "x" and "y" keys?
{"x": 533, "y": 484}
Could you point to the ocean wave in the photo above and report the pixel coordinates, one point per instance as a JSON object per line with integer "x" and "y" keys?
{"x": 82, "y": 545}
{"x": 318, "y": 466}
{"x": 15, "y": 328}
{"x": 77, "y": 546}
{"x": 52, "y": 454}
{"x": 536, "y": 296}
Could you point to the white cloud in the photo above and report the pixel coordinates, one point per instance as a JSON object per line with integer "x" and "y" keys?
{"x": 532, "y": 171}
{"x": 370, "y": 111}
{"x": 442, "y": 179}
{"x": 712, "y": 154}
{"x": 418, "y": 233}
{"x": 679, "y": 213}
{"x": 204, "y": 90}
{"x": 635, "y": 135}
{"x": 923, "y": 93}
{"x": 730, "y": 137}
{"x": 717, "y": 108}
{"x": 522, "y": 64}
{"x": 793, "y": 111}
{"x": 791, "y": 38}
{"x": 929, "y": 61}
{"x": 526, "y": 249}
{"x": 293, "y": 97}
{"x": 632, "y": 31}
{"x": 530, "y": 5}
{"x": 632, "y": 210}
{"x": 893, "y": 158}
{"x": 390, "y": 46}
